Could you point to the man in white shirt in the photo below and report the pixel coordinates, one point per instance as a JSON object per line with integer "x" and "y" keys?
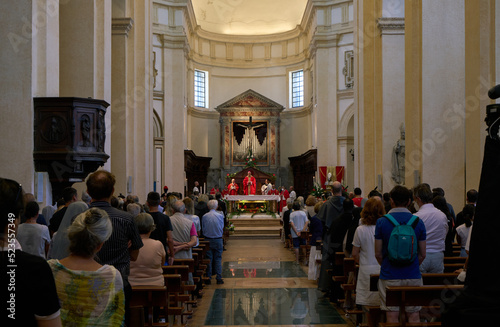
{"x": 196, "y": 188}
{"x": 436, "y": 225}
{"x": 266, "y": 187}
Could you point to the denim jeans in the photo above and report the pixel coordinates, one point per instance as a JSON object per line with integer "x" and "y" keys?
{"x": 433, "y": 263}
{"x": 215, "y": 257}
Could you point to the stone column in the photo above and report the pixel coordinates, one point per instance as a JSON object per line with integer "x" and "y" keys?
{"x": 391, "y": 26}
{"x": 324, "y": 55}
{"x": 368, "y": 93}
{"x": 131, "y": 106}
{"x": 16, "y": 83}
{"x": 174, "y": 64}
{"x": 120, "y": 130}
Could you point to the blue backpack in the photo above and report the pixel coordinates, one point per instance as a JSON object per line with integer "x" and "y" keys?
{"x": 403, "y": 243}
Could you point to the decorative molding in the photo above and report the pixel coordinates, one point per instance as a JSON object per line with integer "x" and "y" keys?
{"x": 248, "y": 100}
{"x": 297, "y": 113}
{"x": 200, "y": 113}
{"x": 348, "y": 70}
{"x": 158, "y": 95}
{"x": 345, "y": 94}
{"x": 391, "y": 25}
{"x": 121, "y": 26}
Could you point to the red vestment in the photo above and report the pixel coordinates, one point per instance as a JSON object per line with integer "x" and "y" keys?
{"x": 233, "y": 189}
{"x": 253, "y": 186}
{"x": 284, "y": 195}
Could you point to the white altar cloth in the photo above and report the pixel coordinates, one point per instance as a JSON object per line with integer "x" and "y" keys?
{"x": 253, "y": 197}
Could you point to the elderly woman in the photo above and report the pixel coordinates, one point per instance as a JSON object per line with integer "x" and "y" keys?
{"x": 363, "y": 251}
{"x": 146, "y": 270}
{"x": 91, "y": 294}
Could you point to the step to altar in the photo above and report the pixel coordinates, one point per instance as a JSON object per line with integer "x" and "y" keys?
{"x": 259, "y": 226}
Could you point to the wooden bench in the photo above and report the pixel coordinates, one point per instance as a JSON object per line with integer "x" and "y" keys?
{"x": 146, "y": 298}
{"x": 455, "y": 260}
{"x": 429, "y": 296}
{"x": 427, "y": 279}
{"x": 178, "y": 298}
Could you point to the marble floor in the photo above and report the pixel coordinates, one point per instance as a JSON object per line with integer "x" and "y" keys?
{"x": 262, "y": 286}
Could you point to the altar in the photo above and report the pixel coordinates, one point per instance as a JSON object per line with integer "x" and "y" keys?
{"x": 253, "y": 203}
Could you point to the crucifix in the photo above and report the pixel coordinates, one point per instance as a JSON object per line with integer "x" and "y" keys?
{"x": 250, "y": 127}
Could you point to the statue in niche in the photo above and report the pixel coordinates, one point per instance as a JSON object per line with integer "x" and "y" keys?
{"x": 398, "y": 158}
{"x": 56, "y": 131}
{"x": 85, "y": 131}
{"x": 100, "y": 133}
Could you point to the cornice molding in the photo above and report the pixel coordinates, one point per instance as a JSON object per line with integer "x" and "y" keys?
{"x": 202, "y": 113}
{"x": 121, "y": 26}
{"x": 297, "y": 113}
{"x": 391, "y": 25}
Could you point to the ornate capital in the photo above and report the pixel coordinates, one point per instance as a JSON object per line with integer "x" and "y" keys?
{"x": 391, "y": 25}
{"x": 121, "y": 26}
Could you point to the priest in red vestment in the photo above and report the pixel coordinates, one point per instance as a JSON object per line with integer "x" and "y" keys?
{"x": 284, "y": 195}
{"x": 233, "y": 188}
{"x": 249, "y": 184}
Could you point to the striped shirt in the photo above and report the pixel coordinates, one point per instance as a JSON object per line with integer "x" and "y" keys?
{"x": 115, "y": 250}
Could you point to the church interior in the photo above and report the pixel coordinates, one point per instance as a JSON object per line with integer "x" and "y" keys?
{"x": 372, "y": 94}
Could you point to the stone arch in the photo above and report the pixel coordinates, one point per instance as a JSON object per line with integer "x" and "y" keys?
{"x": 344, "y": 121}
{"x": 157, "y": 125}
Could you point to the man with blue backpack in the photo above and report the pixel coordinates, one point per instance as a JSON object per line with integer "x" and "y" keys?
{"x": 400, "y": 242}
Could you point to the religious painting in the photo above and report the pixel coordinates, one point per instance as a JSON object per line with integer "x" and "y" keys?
{"x": 250, "y": 141}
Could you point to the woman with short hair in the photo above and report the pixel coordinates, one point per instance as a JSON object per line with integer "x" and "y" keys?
{"x": 147, "y": 269}
{"x": 91, "y": 294}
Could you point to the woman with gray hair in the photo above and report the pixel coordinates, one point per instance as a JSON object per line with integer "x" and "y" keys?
{"x": 147, "y": 269}
{"x": 91, "y": 294}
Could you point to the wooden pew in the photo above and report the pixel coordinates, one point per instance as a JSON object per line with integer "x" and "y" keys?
{"x": 178, "y": 298}
{"x": 433, "y": 295}
{"x": 427, "y": 279}
{"x": 174, "y": 286}
{"x": 148, "y": 297}
{"x": 455, "y": 260}
{"x": 191, "y": 289}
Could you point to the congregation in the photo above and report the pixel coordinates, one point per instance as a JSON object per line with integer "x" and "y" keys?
{"x": 362, "y": 227}
{"x": 88, "y": 255}
{"x": 114, "y": 243}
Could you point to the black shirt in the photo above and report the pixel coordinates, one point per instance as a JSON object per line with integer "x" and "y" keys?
{"x": 33, "y": 285}
{"x": 56, "y": 219}
{"x": 163, "y": 225}
{"x": 115, "y": 250}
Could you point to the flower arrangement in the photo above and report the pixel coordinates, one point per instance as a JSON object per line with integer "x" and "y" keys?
{"x": 317, "y": 191}
{"x": 230, "y": 227}
{"x": 250, "y": 159}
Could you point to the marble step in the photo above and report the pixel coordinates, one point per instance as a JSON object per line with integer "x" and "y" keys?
{"x": 257, "y": 230}
{"x": 251, "y": 222}
{"x": 254, "y": 236}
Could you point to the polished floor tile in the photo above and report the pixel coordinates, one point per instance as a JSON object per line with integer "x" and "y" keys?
{"x": 263, "y": 269}
{"x": 262, "y": 287}
{"x": 277, "y": 306}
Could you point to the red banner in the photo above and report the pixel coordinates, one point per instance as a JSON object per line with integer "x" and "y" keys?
{"x": 322, "y": 176}
{"x": 339, "y": 173}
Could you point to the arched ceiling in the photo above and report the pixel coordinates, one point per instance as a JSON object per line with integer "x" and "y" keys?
{"x": 248, "y": 17}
